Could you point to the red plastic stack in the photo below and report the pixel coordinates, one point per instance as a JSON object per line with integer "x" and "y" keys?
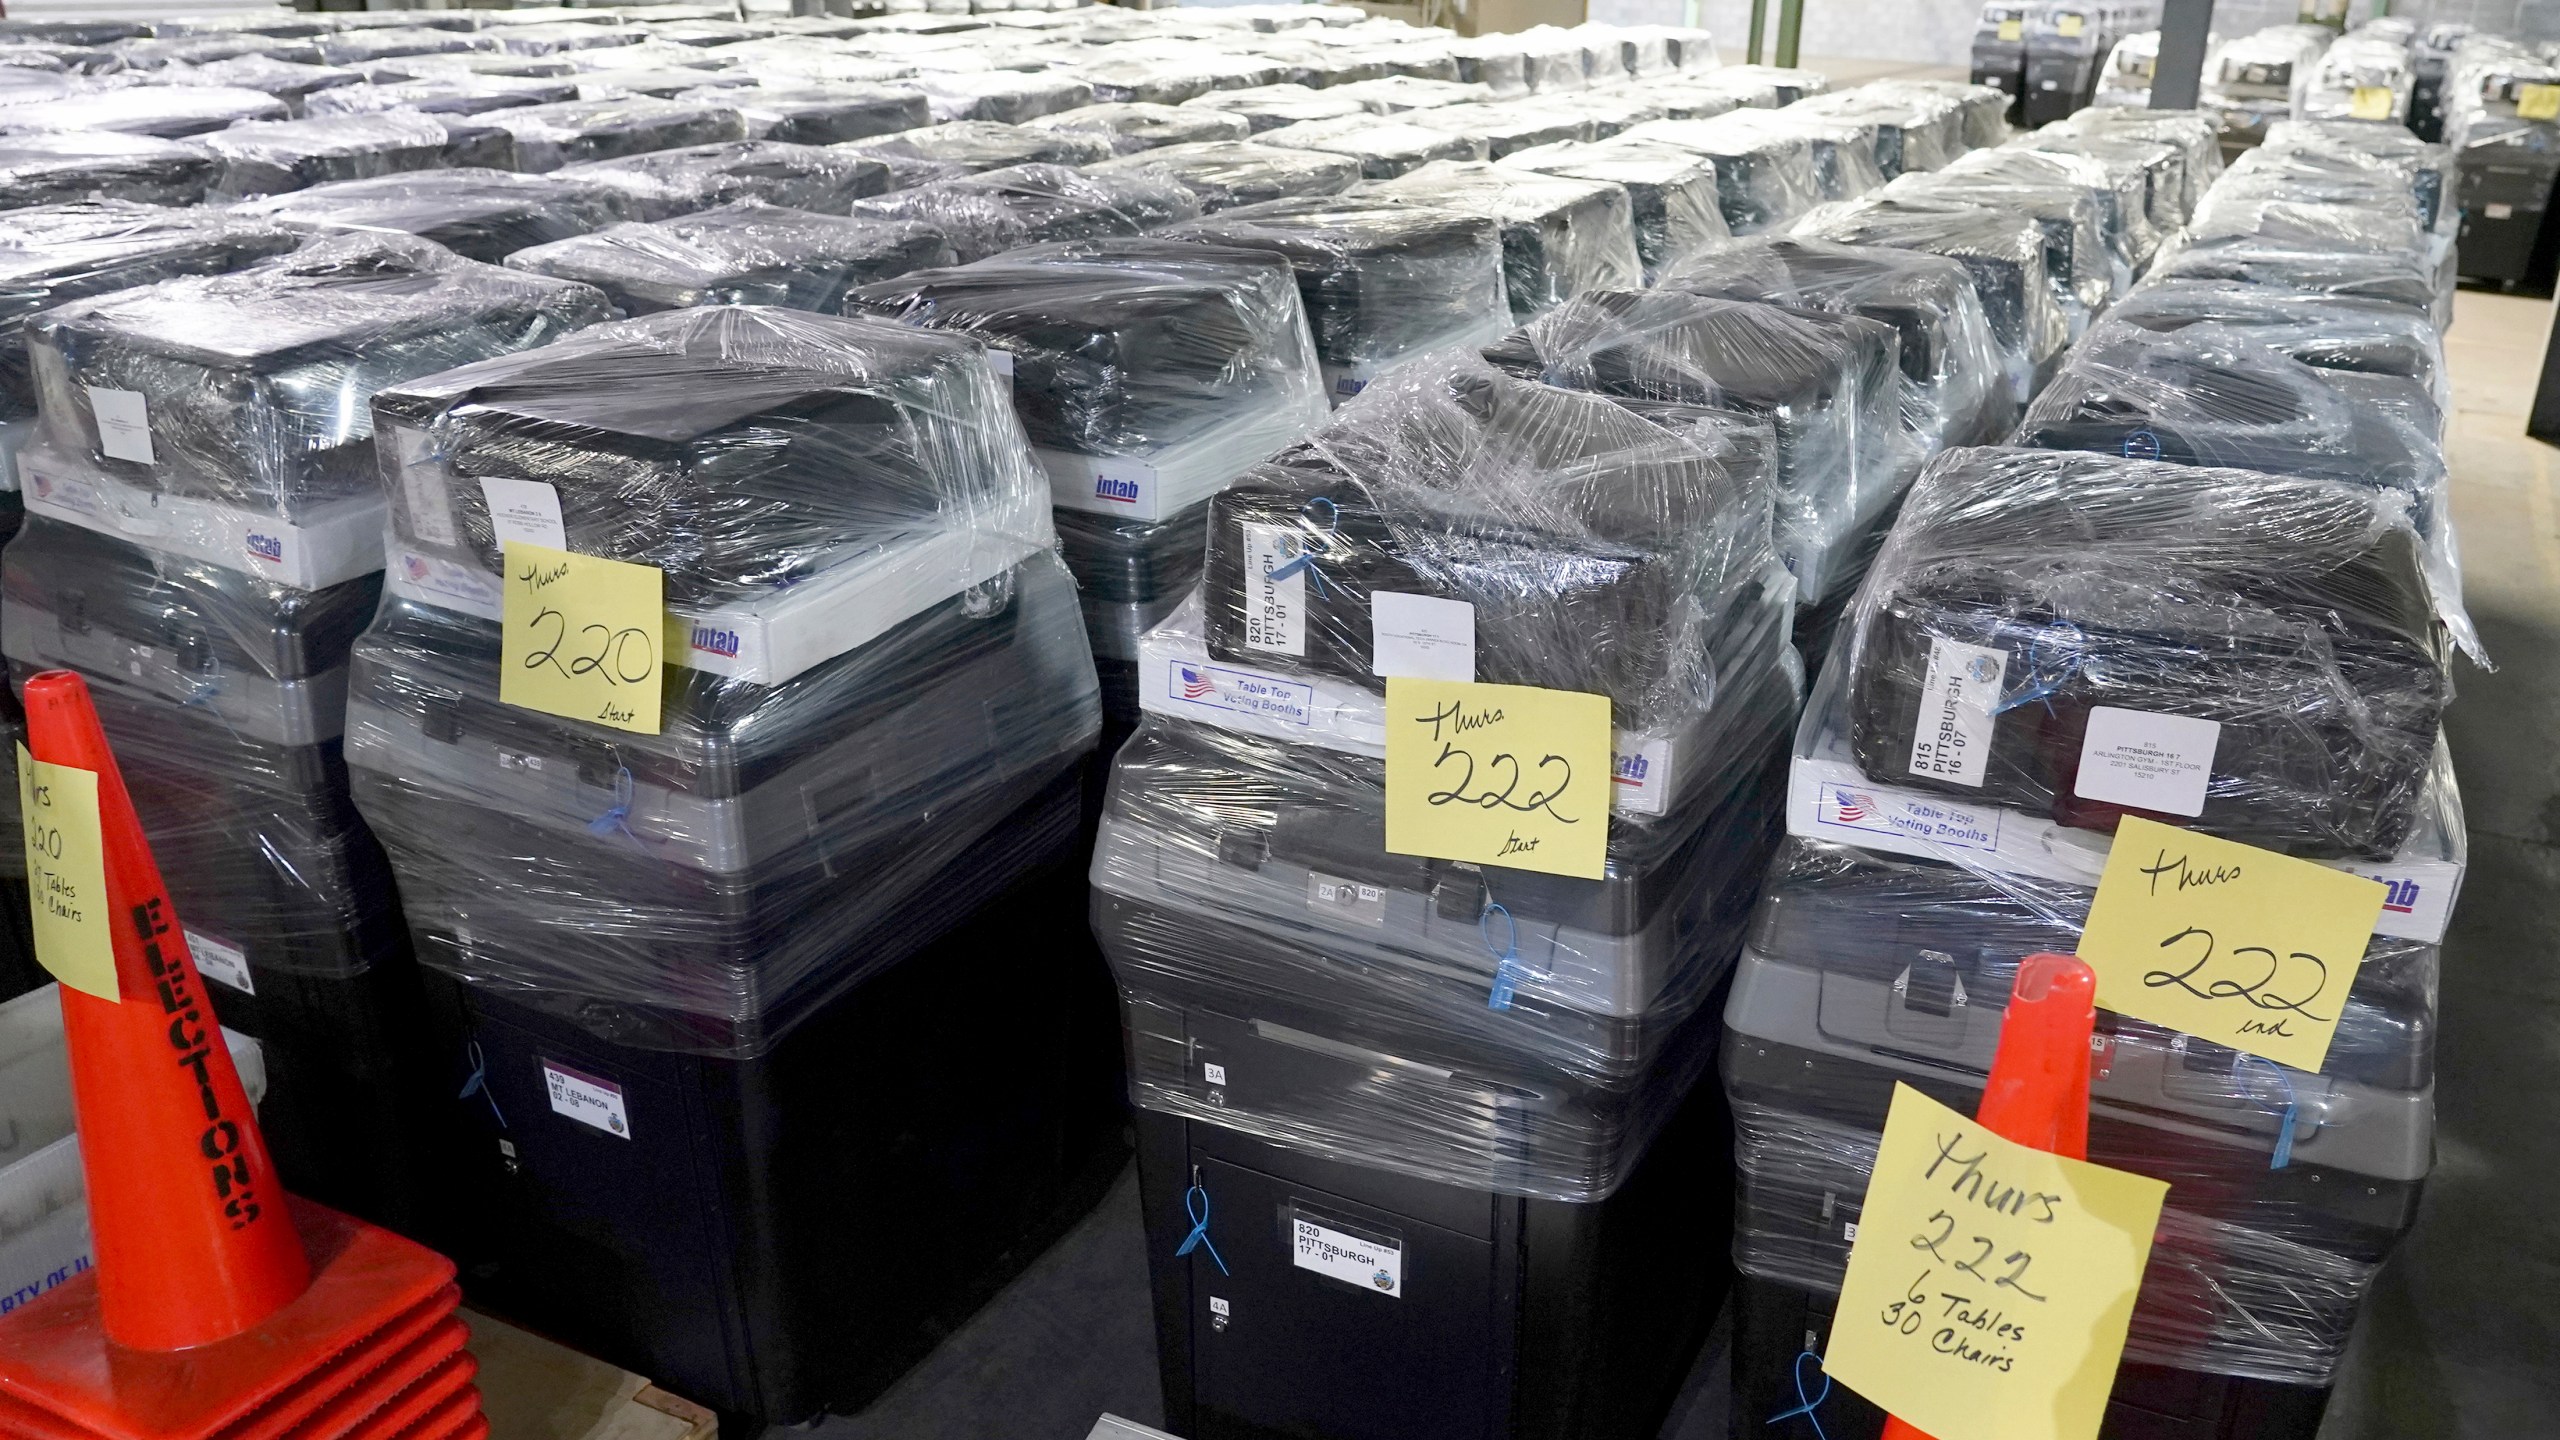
{"x": 220, "y": 1308}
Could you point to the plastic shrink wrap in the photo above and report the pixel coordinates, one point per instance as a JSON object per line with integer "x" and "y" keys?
{"x": 351, "y": 47}
{"x": 1561, "y": 236}
{"x": 2251, "y": 81}
{"x": 1384, "y": 147}
{"x": 1951, "y": 390}
{"x": 1010, "y": 96}
{"x": 2295, "y": 614}
{"x": 2150, "y": 171}
{"x": 1148, "y": 373}
{"x": 224, "y": 694}
{"x": 1508, "y": 128}
{"x": 1227, "y": 173}
{"x": 47, "y": 169}
{"x": 1132, "y": 127}
{"x": 817, "y": 112}
{"x": 267, "y": 157}
{"x": 53, "y": 254}
{"x": 2362, "y": 78}
{"x": 1359, "y": 1028}
{"x": 169, "y": 112}
{"x": 478, "y": 214}
{"x": 2193, "y": 132}
{"x": 292, "y": 83}
{"x": 1381, "y": 280}
{"x": 1764, "y": 180}
{"x": 546, "y": 137}
{"x": 2354, "y": 144}
{"x": 974, "y": 145}
{"x": 207, "y": 413}
{"x": 1767, "y": 87}
{"x": 1828, "y": 384}
{"x": 741, "y": 254}
{"x": 1604, "y": 547}
{"x": 1268, "y": 107}
{"x": 456, "y": 94}
{"x": 1479, "y": 1026}
{"x": 2004, "y": 252}
{"x": 2125, "y": 78}
{"x": 885, "y": 662}
{"x": 998, "y": 210}
{"x": 2070, "y": 200}
{"x": 1399, "y": 93}
{"x": 1916, "y": 129}
{"x": 1686, "y": 98}
{"x": 1848, "y": 152}
{"x": 663, "y": 184}
{"x": 1671, "y": 193}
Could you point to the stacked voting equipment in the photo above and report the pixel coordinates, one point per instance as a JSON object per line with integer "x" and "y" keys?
{"x": 2038, "y": 619}
{"x": 1149, "y": 374}
{"x": 694, "y": 975}
{"x": 1473, "y": 1088}
{"x": 203, "y": 546}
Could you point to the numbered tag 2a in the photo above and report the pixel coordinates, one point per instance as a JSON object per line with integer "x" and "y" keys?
{"x": 582, "y": 637}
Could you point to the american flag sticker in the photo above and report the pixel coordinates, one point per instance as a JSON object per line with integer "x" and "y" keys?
{"x": 1195, "y": 686}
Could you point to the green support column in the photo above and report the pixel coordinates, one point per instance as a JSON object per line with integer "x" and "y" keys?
{"x": 1790, "y": 29}
{"x": 1759, "y": 22}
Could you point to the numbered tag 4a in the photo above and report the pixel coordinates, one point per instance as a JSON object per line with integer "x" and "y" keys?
{"x": 583, "y": 637}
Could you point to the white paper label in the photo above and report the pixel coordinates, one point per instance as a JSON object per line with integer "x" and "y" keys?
{"x": 1953, "y": 737}
{"x": 1001, "y": 362}
{"x": 1213, "y": 1072}
{"x": 1370, "y": 1264}
{"x": 1218, "y": 1306}
{"x": 1421, "y": 636}
{"x": 1347, "y": 899}
{"x": 2497, "y": 211}
{"x": 525, "y": 512}
{"x": 124, "y": 424}
{"x": 221, "y": 963}
{"x": 1275, "y": 607}
{"x": 2150, "y": 762}
{"x": 422, "y": 487}
{"x": 586, "y": 1099}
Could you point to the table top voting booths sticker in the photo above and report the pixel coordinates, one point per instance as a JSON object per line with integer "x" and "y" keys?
{"x": 2228, "y": 942}
{"x": 67, "y": 874}
{"x": 584, "y": 637}
{"x": 1509, "y": 775}
{"x": 1991, "y": 1284}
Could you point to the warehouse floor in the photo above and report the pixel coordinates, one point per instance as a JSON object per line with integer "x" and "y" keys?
{"x": 2456, "y": 1340}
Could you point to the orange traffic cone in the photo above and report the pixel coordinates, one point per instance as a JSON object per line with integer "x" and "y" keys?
{"x": 2038, "y": 1094}
{"x": 220, "y": 1308}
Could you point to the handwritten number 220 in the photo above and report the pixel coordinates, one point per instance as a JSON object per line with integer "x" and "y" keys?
{"x": 1489, "y": 799}
{"x": 610, "y": 642}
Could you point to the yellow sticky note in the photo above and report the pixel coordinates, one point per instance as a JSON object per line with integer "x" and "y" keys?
{"x": 2539, "y": 102}
{"x": 2237, "y": 945}
{"x": 1990, "y": 1284}
{"x": 1507, "y": 775}
{"x": 2012, "y": 29}
{"x": 67, "y": 875}
{"x": 582, "y": 637}
{"x": 2370, "y": 102}
{"x": 2068, "y": 26}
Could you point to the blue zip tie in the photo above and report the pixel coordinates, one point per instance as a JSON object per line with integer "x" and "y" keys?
{"x": 2038, "y": 685}
{"x": 478, "y": 1085}
{"x": 2292, "y": 1107}
{"x": 1506, "y": 956}
{"x": 1805, "y": 1407}
{"x": 618, "y": 815}
{"x": 1195, "y": 1203}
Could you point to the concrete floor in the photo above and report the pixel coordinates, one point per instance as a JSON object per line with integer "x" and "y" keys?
{"x": 2456, "y": 1340}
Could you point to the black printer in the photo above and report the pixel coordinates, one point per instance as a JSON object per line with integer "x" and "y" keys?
{"x": 477, "y": 214}
{"x": 667, "y": 183}
{"x": 742, "y": 254}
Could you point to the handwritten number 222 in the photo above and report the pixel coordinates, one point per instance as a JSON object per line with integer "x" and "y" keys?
{"x": 2016, "y": 1260}
{"x": 2255, "y": 991}
{"x": 612, "y": 643}
{"x": 1491, "y": 799}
